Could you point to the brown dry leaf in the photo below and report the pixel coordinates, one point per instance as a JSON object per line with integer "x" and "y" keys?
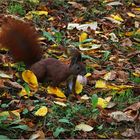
{"x": 110, "y": 75}
{"x": 126, "y": 42}
{"x": 120, "y": 116}
{"x": 133, "y": 110}
{"x": 122, "y": 76}
{"x": 128, "y": 133}
{"x": 14, "y": 85}
{"x": 37, "y": 135}
{"x": 77, "y": 5}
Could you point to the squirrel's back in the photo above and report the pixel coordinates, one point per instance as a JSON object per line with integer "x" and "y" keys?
{"x": 21, "y": 39}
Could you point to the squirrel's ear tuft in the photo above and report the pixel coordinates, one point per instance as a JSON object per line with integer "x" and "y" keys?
{"x": 75, "y": 55}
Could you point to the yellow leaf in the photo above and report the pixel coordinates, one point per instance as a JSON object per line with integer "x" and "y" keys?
{"x": 60, "y": 103}
{"x": 51, "y": 18}
{"x": 129, "y": 33}
{"x": 137, "y": 9}
{"x": 42, "y": 111}
{"x": 131, "y": 14}
{"x": 117, "y": 17}
{"x": 100, "y": 84}
{"x": 40, "y": 13}
{"x": 78, "y": 87}
{"x": 118, "y": 87}
{"x": 107, "y": 76}
{"x": 56, "y": 91}
{"x": 23, "y": 93}
{"x": 16, "y": 113}
{"x": 88, "y": 75}
{"x": 4, "y": 113}
{"x": 102, "y": 102}
{"x": 136, "y": 74}
{"x": 34, "y": 1}
{"x": 30, "y": 14}
{"x": 30, "y": 78}
{"x": 83, "y": 37}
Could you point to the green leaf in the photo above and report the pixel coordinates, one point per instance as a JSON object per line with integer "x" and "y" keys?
{"x": 94, "y": 100}
{"x": 25, "y": 111}
{"x": 89, "y": 57}
{"x": 58, "y": 131}
{"x": 48, "y": 36}
{"x": 64, "y": 120}
{"x": 106, "y": 55}
{"x": 4, "y": 105}
{"x": 23, "y": 127}
{"x": 58, "y": 36}
{"x": 27, "y": 88}
{"x": 87, "y": 40}
{"x": 3, "y": 137}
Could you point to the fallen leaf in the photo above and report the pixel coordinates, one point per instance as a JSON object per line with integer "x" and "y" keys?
{"x": 120, "y": 116}
{"x": 14, "y": 114}
{"x": 34, "y": 1}
{"x": 102, "y": 102}
{"x": 30, "y": 14}
{"x": 88, "y": 75}
{"x": 84, "y": 27}
{"x": 85, "y": 97}
{"x": 37, "y": 135}
{"x": 83, "y": 127}
{"x": 30, "y": 78}
{"x": 55, "y": 91}
{"x": 114, "y": 37}
{"x": 128, "y": 133}
{"x": 113, "y": 20}
{"x": 60, "y": 103}
{"x": 4, "y": 75}
{"x": 78, "y": 87}
{"x": 42, "y": 111}
{"x": 89, "y": 46}
{"x": 114, "y": 3}
{"x": 83, "y": 37}
{"x": 126, "y": 42}
{"x": 110, "y": 75}
{"x": 131, "y": 14}
{"x": 117, "y": 17}
{"x": 100, "y": 84}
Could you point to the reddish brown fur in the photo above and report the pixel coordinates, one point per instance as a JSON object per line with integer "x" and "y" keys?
{"x": 21, "y": 39}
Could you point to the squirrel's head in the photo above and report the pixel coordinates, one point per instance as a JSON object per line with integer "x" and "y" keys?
{"x": 78, "y": 69}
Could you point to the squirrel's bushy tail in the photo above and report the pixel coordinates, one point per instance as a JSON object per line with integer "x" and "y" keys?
{"x": 21, "y": 39}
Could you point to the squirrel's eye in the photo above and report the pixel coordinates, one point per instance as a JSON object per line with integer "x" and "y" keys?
{"x": 78, "y": 68}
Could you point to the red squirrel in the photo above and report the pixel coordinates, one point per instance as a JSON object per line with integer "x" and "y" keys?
{"x": 22, "y": 41}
